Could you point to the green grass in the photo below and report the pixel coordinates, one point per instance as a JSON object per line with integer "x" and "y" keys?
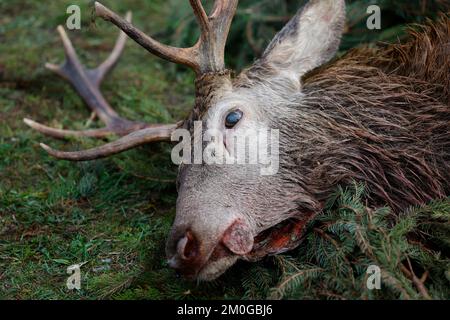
{"x": 113, "y": 215}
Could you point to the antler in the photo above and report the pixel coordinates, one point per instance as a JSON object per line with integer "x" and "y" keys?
{"x": 87, "y": 84}
{"x": 207, "y": 55}
{"x": 132, "y": 140}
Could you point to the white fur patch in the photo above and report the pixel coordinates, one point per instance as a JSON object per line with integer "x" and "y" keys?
{"x": 309, "y": 42}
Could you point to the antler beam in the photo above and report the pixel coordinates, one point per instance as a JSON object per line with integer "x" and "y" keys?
{"x": 130, "y": 141}
{"x": 87, "y": 83}
{"x": 207, "y": 55}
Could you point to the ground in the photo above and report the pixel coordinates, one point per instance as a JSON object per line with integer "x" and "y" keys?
{"x": 112, "y": 215}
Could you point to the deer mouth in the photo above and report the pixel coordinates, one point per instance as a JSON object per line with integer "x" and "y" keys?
{"x": 280, "y": 238}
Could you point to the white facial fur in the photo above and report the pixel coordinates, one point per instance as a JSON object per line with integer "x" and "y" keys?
{"x": 211, "y": 197}
{"x": 252, "y": 121}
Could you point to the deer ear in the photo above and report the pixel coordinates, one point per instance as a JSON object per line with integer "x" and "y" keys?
{"x": 309, "y": 40}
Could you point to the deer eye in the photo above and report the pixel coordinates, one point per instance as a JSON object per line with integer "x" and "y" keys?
{"x": 233, "y": 118}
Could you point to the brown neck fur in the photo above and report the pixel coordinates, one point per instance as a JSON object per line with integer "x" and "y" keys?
{"x": 384, "y": 118}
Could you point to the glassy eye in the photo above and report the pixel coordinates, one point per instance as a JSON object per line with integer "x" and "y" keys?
{"x": 233, "y": 118}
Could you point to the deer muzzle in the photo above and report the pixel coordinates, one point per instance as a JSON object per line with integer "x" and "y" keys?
{"x": 198, "y": 253}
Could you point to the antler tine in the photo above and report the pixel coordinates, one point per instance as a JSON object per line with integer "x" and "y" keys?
{"x": 213, "y": 43}
{"x": 207, "y": 55}
{"x": 96, "y": 75}
{"x": 222, "y": 14}
{"x": 185, "y": 56}
{"x": 225, "y": 9}
{"x": 111, "y": 61}
{"x": 71, "y": 56}
{"x": 64, "y": 134}
{"x": 87, "y": 84}
{"x": 132, "y": 140}
{"x": 201, "y": 16}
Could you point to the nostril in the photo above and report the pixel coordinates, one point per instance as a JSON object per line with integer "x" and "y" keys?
{"x": 187, "y": 247}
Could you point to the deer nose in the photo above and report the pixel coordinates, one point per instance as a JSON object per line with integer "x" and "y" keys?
{"x": 190, "y": 251}
{"x": 187, "y": 247}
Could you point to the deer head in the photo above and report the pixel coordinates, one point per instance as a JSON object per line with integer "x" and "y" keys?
{"x": 224, "y": 212}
